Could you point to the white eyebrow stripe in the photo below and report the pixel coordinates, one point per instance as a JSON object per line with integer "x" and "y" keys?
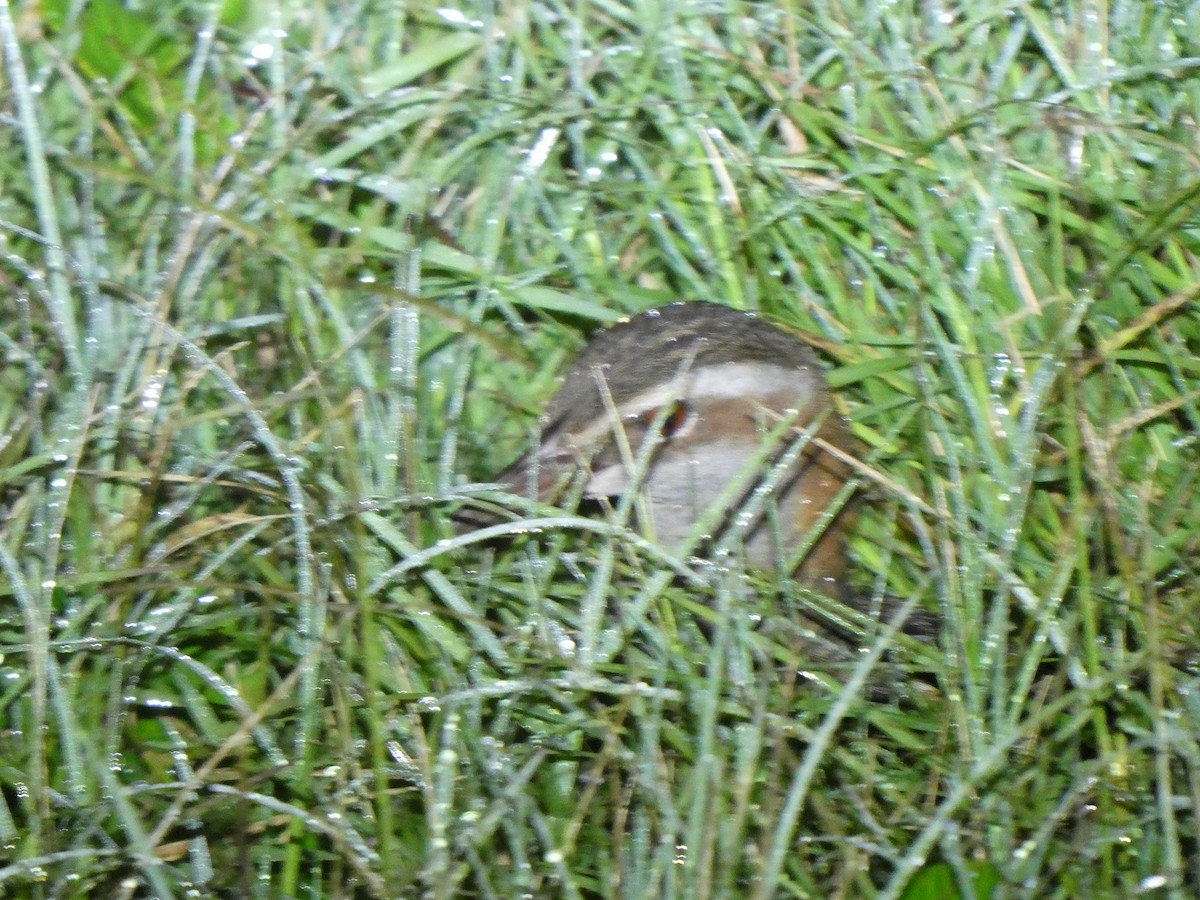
{"x": 721, "y": 381}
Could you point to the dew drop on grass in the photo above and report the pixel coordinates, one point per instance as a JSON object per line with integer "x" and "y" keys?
{"x": 259, "y": 52}
{"x": 1152, "y": 883}
{"x": 453, "y": 16}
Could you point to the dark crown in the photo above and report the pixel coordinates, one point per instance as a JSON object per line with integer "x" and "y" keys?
{"x": 653, "y": 347}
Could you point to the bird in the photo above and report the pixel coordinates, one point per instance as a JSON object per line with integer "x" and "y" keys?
{"x": 711, "y": 414}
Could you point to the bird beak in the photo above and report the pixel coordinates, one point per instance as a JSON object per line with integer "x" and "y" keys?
{"x": 544, "y": 473}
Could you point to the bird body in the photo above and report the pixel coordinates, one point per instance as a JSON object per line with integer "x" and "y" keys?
{"x": 686, "y": 404}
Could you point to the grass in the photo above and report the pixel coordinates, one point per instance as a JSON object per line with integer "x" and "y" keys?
{"x": 280, "y": 282}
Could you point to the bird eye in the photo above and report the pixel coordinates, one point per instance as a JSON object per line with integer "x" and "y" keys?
{"x": 677, "y": 419}
{"x": 673, "y": 422}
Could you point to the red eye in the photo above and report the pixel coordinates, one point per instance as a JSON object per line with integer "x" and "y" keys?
{"x": 679, "y": 416}
{"x": 676, "y": 418}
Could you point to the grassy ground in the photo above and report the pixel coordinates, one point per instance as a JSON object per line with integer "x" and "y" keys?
{"x": 278, "y": 280}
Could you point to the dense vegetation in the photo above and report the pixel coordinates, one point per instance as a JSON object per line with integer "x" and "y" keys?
{"x": 278, "y": 282}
